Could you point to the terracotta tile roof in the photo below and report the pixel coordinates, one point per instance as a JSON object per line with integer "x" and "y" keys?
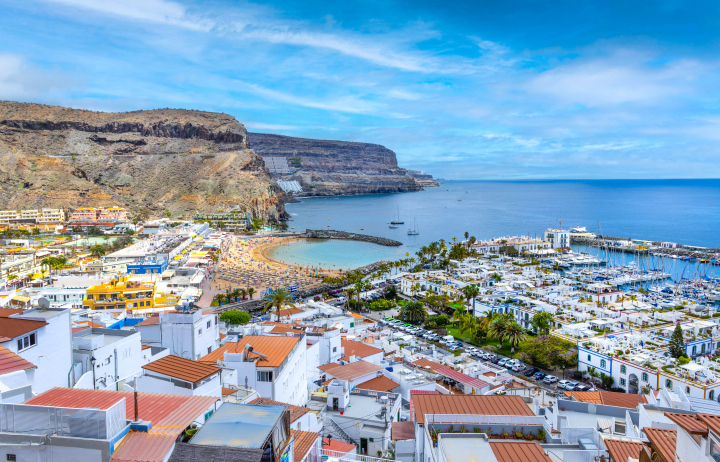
{"x": 145, "y": 347}
{"x": 337, "y": 446}
{"x": 422, "y": 362}
{"x": 620, "y": 451}
{"x": 287, "y": 311}
{"x": 168, "y": 413}
{"x": 462, "y": 378}
{"x": 328, "y": 366}
{"x": 11, "y": 328}
{"x": 712, "y": 421}
{"x": 689, "y": 423}
{"x": 295, "y": 411}
{"x": 380, "y": 383}
{"x": 11, "y": 362}
{"x": 608, "y": 398}
{"x": 75, "y": 330}
{"x": 144, "y": 447}
{"x": 304, "y": 441}
{"x": 403, "y": 431}
{"x": 275, "y": 348}
{"x": 181, "y": 368}
{"x": 663, "y": 441}
{"x": 6, "y": 312}
{"x": 222, "y": 336}
{"x": 151, "y": 321}
{"x": 499, "y": 405}
{"x": 525, "y": 451}
{"x": 227, "y": 391}
{"x": 359, "y": 349}
{"x": 353, "y": 370}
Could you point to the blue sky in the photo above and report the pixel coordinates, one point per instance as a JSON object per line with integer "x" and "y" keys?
{"x": 465, "y": 90}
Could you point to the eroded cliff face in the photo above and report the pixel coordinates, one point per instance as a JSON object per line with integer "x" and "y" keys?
{"x": 176, "y": 160}
{"x": 329, "y": 168}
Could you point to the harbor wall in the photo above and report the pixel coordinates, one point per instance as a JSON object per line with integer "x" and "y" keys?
{"x": 332, "y": 234}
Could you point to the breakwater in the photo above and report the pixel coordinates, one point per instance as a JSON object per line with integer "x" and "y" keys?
{"x": 640, "y": 246}
{"x": 333, "y": 234}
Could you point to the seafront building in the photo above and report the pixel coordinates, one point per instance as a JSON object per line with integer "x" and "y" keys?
{"x": 32, "y": 216}
{"x": 99, "y": 214}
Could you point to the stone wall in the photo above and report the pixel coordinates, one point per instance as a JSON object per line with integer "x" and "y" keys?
{"x": 332, "y": 234}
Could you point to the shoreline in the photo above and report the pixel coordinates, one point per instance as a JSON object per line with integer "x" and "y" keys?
{"x": 261, "y": 253}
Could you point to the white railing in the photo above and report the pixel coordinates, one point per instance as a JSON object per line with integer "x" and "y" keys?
{"x": 351, "y": 457}
{"x": 484, "y": 419}
{"x": 571, "y": 435}
{"x": 583, "y": 456}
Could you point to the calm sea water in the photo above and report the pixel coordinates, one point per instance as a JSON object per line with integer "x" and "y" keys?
{"x": 683, "y": 211}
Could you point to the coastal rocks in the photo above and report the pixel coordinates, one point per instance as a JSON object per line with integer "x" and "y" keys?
{"x": 332, "y": 234}
{"x": 365, "y": 270}
{"x": 163, "y": 160}
{"x": 332, "y": 168}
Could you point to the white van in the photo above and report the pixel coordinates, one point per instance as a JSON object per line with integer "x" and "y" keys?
{"x": 447, "y": 339}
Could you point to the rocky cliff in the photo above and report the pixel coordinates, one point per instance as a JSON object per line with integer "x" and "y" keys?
{"x": 167, "y": 159}
{"x": 327, "y": 168}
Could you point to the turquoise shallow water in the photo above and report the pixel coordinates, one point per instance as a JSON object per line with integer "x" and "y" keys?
{"x": 683, "y": 211}
{"x": 331, "y": 254}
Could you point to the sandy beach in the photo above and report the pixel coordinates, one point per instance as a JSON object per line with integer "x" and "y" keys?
{"x": 247, "y": 264}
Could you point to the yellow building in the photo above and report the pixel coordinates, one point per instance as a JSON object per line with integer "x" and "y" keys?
{"x": 126, "y": 292}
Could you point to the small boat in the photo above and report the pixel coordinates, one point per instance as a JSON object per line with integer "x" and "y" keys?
{"x": 398, "y": 221}
{"x": 413, "y": 232}
{"x": 393, "y": 226}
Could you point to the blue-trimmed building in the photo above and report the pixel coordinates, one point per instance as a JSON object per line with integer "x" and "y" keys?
{"x": 147, "y": 267}
{"x": 589, "y": 358}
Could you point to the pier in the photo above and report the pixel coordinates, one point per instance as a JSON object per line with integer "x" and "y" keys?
{"x": 332, "y": 234}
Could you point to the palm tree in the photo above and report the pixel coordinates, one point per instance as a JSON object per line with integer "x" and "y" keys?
{"x": 250, "y": 292}
{"x": 632, "y": 298}
{"x": 242, "y": 293}
{"x": 498, "y": 329}
{"x": 413, "y": 312}
{"x": 621, "y": 299}
{"x": 415, "y": 288}
{"x": 350, "y": 292}
{"x": 593, "y": 373}
{"x": 219, "y": 298}
{"x": 97, "y": 251}
{"x": 458, "y": 314}
{"x": 470, "y": 324}
{"x": 496, "y": 277}
{"x": 515, "y": 333}
{"x": 470, "y": 291}
{"x": 487, "y": 320}
{"x": 277, "y": 299}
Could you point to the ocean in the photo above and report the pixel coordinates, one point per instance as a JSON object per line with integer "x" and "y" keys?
{"x": 682, "y": 211}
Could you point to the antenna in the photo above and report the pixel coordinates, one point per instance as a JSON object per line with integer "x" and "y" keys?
{"x": 43, "y": 303}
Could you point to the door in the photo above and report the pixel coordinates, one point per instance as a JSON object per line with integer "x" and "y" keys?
{"x": 363, "y": 445}
{"x": 336, "y": 404}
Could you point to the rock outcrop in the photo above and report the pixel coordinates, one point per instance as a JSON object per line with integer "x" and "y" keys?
{"x": 167, "y": 159}
{"x": 330, "y": 168}
{"x": 332, "y": 234}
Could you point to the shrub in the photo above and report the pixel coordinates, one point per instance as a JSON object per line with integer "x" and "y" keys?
{"x": 235, "y": 317}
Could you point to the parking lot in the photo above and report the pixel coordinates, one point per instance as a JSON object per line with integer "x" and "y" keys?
{"x": 513, "y": 366}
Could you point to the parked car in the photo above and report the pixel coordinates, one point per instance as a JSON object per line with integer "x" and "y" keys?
{"x": 530, "y": 371}
{"x": 517, "y": 367}
{"x": 510, "y": 363}
{"x": 539, "y": 376}
{"x": 550, "y": 379}
{"x": 496, "y": 360}
{"x": 581, "y": 387}
{"x": 454, "y": 348}
{"x": 502, "y": 362}
{"x": 563, "y": 383}
{"x": 571, "y": 386}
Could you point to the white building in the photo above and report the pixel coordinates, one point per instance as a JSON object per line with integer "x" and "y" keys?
{"x": 274, "y": 366}
{"x": 106, "y": 358}
{"x": 557, "y": 238}
{"x": 188, "y": 334}
{"x": 42, "y": 337}
{"x": 180, "y": 376}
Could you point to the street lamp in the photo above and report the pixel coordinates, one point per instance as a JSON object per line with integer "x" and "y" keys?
{"x": 92, "y": 362}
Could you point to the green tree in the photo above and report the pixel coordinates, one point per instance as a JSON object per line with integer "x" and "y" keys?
{"x": 496, "y": 277}
{"x": 542, "y": 322}
{"x": 235, "y": 317}
{"x": 676, "y": 347}
{"x": 470, "y": 291}
{"x": 97, "y": 251}
{"x": 413, "y": 312}
{"x": 94, "y": 231}
{"x": 469, "y": 323}
{"x": 515, "y": 333}
{"x": 277, "y": 299}
{"x": 250, "y": 292}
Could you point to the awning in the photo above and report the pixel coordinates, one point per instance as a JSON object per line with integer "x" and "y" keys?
{"x": 20, "y": 298}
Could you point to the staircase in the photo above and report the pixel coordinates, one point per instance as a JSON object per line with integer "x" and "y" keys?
{"x": 337, "y": 432}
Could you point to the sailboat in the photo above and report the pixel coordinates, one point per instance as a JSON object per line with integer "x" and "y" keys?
{"x": 398, "y": 221}
{"x": 415, "y": 231}
{"x": 393, "y": 226}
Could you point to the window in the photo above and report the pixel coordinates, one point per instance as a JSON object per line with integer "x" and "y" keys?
{"x": 713, "y": 450}
{"x": 711, "y": 396}
{"x": 26, "y": 341}
{"x": 644, "y": 377}
{"x": 623, "y": 370}
{"x": 687, "y": 390}
{"x": 602, "y": 363}
{"x": 622, "y": 382}
{"x": 334, "y": 349}
{"x": 694, "y": 350}
{"x": 668, "y": 384}
{"x": 200, "y": 331}
{"x": 208, "y": 326}
{"x": 702, "y": 348}
{"x": 11, "y": 457}
{"x": 209, "y": 349}
{"x": 589, "y": 359}
{"x": 264, "y": 376}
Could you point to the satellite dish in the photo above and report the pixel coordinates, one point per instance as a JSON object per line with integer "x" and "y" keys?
{"x": 699, "y": 308}
{"x": 43, "y": 303}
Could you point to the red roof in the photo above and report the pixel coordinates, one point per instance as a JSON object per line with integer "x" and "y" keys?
{"x": 6, "y": 312}
{"x": 182, "y": 368}
{"x": 526, "y": 451}
{"x": 621, "y": 451}
{"x": 11, "y": 362}
{"x": 460, "y": 377}
{"x": 380, "y": 383}
{"x": 151, "y": 321}
{"x": 166, "y": 412}
{"x": 337, "y": 446}
{"x": 11, "y": 328}
{"x": 359, "y": 349}
{"x": 304, "y": 441}
{"x": 495, "y": 405}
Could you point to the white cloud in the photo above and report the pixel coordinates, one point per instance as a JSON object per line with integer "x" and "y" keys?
{"x": 19, "y": 81}
{"x": 623, "y": 77}
{"x": 154, "y": 11}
